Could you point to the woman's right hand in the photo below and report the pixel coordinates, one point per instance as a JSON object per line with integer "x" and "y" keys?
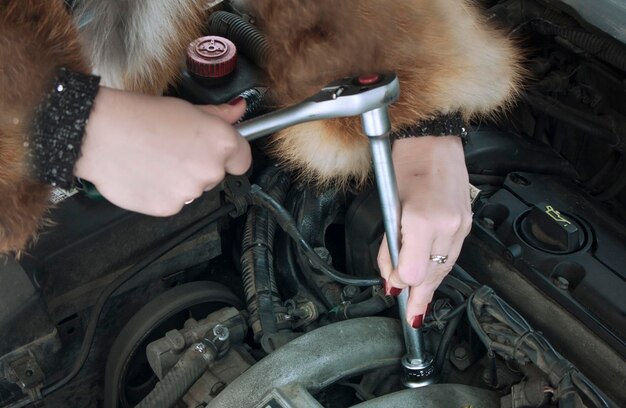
{"x": 436, "y": 217}
{"x": 152, "y": 154}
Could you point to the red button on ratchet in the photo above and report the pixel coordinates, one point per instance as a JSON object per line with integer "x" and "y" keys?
{"x": 368, "y": 79}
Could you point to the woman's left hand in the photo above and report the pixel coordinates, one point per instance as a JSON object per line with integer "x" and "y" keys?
{"x": 433, "y": 185}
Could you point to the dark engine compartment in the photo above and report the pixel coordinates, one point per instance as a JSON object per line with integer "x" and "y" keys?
{"x": 548, "y": 236}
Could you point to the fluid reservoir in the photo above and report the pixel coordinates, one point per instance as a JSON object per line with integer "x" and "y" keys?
{"x": 215, "y": 72}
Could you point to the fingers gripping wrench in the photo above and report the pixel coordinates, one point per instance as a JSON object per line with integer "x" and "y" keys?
{"x": 369, "y": 97}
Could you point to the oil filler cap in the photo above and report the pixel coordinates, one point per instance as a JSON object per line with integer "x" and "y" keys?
{"x": 546, "y": 228}
{"x": 211, "y": 57}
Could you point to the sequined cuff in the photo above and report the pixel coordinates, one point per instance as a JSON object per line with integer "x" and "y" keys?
{"x": 451, "y": 124}
{"x": 59, "y": 126}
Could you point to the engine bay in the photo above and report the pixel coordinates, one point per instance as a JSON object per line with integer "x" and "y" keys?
{"x": 265, "y": 293}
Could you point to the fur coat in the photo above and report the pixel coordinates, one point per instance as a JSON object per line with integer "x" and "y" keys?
{"x": 448, "y": 58}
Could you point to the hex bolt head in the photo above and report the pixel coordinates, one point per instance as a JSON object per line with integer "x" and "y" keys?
{"x": 350, "y": 291}
{"x": 200, "y": 348}
{"x": 513, "y": 252}
{"x": 561, "y": 283}
{"x": 324, "y": 253}
{"x": 460, "y": 353}
{"x": 221, "y": 332}
{"x": 488, "y": 223}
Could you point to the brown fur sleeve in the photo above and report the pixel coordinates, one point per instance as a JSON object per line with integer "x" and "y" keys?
{"x": 447, "y": 57}
{"x": 36, "y": 37}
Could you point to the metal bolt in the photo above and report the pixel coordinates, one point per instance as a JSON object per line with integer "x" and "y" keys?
{"x": 324, "y": 253}
{"x": 488, "y": 222}
{"x": 460, "y": 353}
{"x": 349, "y": 292}
{"x": 200, "y": 348}
{"x": 561, "y": 283}
{"x": 513, "y": 252}
{"x": 221, "y": 332}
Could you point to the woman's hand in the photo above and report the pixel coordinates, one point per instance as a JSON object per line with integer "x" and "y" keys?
{"x": 152, "y": 154}
{"x": 436, "y": 217}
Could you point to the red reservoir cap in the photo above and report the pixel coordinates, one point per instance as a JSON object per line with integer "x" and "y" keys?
{"x": 211, "y": 57}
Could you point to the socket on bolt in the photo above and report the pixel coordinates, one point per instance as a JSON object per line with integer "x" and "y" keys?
{"x": 419, "y": 372}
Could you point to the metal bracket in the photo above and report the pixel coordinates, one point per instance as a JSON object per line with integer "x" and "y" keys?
{"x": 236, "y": 189}
{"x": 26, "y": 373}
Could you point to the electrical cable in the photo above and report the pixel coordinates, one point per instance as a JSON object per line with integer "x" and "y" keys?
{"x": 459, "y": 310}
{"x": 446, "y": 339}
{"x": 506, "y": 325}
{"x": 465, "y": 279}
{"x": 473, "y": 320}
{"x": 288, "y": 224}
{"x": 589, "y": 390}
{"x": 260, "y": 286}
{"x": 123, "y": 278}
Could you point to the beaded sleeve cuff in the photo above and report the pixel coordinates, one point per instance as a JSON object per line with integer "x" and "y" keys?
{"x": 445, "y": 125}
{"x": 59, "y": 127}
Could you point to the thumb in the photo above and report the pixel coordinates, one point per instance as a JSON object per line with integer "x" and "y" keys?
{"x": 230, "y": 112}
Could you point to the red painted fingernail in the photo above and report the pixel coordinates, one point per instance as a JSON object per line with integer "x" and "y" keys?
{"x": 395, "y": 291}
{"x": 417, "y": 321}
{"x": 236, "y": 101}
{"x": 390, "y": 290}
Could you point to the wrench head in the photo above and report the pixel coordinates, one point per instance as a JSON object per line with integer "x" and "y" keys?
{"x": 354, "y": 96}
{"x": 420, "y": 373}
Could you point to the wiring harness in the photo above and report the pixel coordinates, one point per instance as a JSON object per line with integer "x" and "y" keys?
{"x": 505, "y": 333}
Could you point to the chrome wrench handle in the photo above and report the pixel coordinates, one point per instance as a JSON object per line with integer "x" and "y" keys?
{"x": 417, "y": 363}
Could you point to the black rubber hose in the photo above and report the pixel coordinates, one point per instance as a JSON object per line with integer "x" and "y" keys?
{"x": 457, "y": 300}
{"x": 257, "y": 257}
{"x": 248, "y": 39}
{"x": 607, "y": 128}
{"x": 605, "y": 48}
{"x": 590, "y": 391}
{"x": 366, "y": 308}
{"x": 568, "y": 398}
{"x": 293, "y": 283}
{"x": 449, "y": 290}
{"x": 287, "y": 223}
{"x": 178, "y": 380}
{"x": 446, "y": 339}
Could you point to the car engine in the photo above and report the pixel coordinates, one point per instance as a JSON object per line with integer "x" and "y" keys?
{"x": 263, "y": 293}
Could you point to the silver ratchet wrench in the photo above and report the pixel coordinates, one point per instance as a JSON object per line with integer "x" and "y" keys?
{"x": 345, "y": 97}
{"x": 367, "y": 96}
